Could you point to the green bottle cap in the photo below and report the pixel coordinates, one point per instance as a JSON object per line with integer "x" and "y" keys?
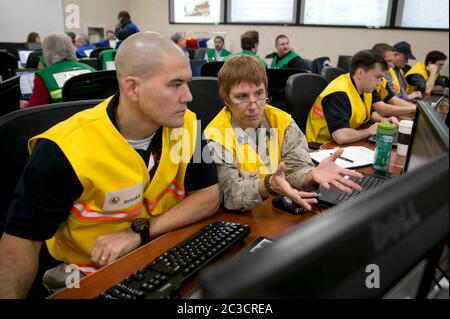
{"x": 386, "y": 128}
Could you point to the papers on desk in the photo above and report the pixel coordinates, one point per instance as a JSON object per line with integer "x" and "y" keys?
{"x": 353, "y": 156}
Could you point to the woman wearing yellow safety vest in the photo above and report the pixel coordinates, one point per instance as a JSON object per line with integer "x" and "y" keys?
{"x": 259, "y": 149}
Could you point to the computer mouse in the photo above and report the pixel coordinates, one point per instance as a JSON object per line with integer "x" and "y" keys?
{"x": 286, "y": 204}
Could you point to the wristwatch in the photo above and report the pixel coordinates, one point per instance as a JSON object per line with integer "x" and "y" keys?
{"x": 142, "y": 227}
{"x": 267, "y": 186}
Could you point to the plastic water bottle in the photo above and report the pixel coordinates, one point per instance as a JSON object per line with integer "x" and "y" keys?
{"x": 383, "y": 146}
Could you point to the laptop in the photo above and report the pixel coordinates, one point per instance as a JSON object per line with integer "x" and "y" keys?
{"x": 26, "y": 82}
{"x": 23, "y": 56}
{"x": 429, "y": 139}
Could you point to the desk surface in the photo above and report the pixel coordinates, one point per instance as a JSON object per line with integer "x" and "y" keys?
{"x": 264, "y": 221}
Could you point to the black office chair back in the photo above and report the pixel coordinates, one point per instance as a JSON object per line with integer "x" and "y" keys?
{"x": 277, "y": 79}
{"x": 344, "y": 62}
{"x": 302, "y": 91}
{"x": 211, "y": 68}
{"x": 200, "y": 53}
{"x": 33, "y": 59}
{"x": 206, "y": 103}
{"x": 92, "y": 62}
{"x": 95, "y": 53}
{"x": 16, "y": 129}
{"x": 308, "y": 62}
{"x": 88, "y": 86}
{"x": 196, "y": 66}
{"x": 331, "y": 73}
{"x": 319, "y": 63}
{"x": 191, "y": 52}
{"x": 9, "y": 95}
{"x": 8, "y": 63}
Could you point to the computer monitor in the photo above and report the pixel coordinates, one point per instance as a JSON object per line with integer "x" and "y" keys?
{"x": 429, "y": 137}
{"x": 23, "y": 56}
{"x": 359, "y": 249}
{"x": 26, "y": 82}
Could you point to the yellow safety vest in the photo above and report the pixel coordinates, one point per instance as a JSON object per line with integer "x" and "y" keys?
{"x": 316, "y": 125}
{"x": 420, "y": 69}
{"x": 382, "y": 90}
{"x": 116, "y": 183}
{"x": 395, "y": 81}
{"x": 221, "y": 131}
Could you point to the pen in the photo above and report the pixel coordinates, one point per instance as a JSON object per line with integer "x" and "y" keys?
{"x": 344, "y": 158}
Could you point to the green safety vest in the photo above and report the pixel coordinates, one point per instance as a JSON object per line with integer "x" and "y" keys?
{"x": 247, "y": 52}
{"x": 63, "y": 69}
{"x": 107, "y": 56}
{"x": 212, "y": 54}
{"x": 283, "y": 62}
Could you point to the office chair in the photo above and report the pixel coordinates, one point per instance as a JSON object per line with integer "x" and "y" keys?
{"x": 211, "y": 68}
{"x": 344, "y": 62}
{"x": 9, "y": 95}
{"x": 16, "y": 129}
{"x": 92, "y": 62}
{"x": 196, "y": 66}
{"x": 33, "y": 59}
{"x": 277, "y": 79}
{"x": 200, "y": 53}
{"x": 206, "y": 102}
{"x": 191, "y": 52}
{"x": 92, "y": 85}
{"x": 95, "y": 53}
{"x": 331, "y": 73}
{"x": 319, "y": 63}
{"x": 8, "y": 63}
{"x": 302, "y": 91}
{"x": 309, "y": 62}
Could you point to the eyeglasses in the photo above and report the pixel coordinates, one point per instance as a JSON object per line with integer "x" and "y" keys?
{"x": 259, "y": 102}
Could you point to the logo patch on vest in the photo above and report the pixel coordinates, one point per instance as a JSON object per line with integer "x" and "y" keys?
{"x": 123, "y": 199}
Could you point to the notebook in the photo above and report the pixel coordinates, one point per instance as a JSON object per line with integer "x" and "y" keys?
{"x": 353, "y": 156}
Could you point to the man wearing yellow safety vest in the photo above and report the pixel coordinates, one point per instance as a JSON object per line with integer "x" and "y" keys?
{"x": 424, "y": 76}
{"x": 346, "y": 103}
{"x": 396, "y": 75}
{"x": 287, "y": 58}
{"x": 390, "y": 104}
{"x": 111, "y": 178}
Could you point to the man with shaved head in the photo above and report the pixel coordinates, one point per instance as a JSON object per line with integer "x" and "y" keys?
{"x": 111, "y": 178}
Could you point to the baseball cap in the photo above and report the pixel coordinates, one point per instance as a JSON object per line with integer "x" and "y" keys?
{"x": 405, "y": 48}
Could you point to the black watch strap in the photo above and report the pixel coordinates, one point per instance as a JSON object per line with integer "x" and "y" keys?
{"x": 268, "y": 187}
{"x": 142, "y": 227}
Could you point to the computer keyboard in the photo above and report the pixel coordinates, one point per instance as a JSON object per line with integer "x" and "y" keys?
{"x": 163, "y": 277}
{"x": 367, "y": 182}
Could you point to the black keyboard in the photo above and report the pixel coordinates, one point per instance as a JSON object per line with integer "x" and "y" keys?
{"x": 163, "y": 277}
{"x": 367, "y": 182}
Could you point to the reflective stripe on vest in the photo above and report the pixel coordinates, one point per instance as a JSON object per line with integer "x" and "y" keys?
{"x": 174, "y": 189}
{"x": 84, "y": 212}
{"x": 87, "y": 269}
{"x": 56, "y": 94}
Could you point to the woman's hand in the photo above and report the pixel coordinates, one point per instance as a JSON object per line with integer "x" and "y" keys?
{"x": 279, "y": 184}
{"x": 328, "y": 173}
